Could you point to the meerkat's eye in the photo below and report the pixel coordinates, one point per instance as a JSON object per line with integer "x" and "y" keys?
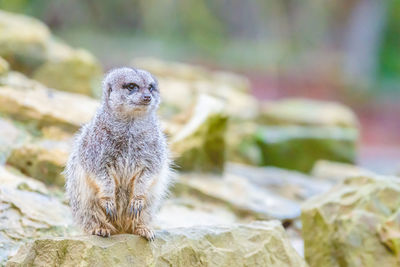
{"x": 131, "y": 87}
{"x": 152, "y": 88}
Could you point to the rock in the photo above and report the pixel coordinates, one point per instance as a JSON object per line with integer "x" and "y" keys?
{"x": 4, "y": 66}
{"x": 23, "y": 41}
{"x": 239, "y": 195}
{"x": 189, "y": 212}
{"x": 200, "y": 144}
{"x": 43, "y": 107}
{"x": 288, "y": 184}
{"x": 29, "y": 47}
{"x": 28, "y": 211}
{"x": 43, "y": 160}
{"x": 242, "y": 145}
{"x": 11, "y": 136}
{"x": 299, "y": 147}
{"x": 72, "y": 70}
{"x": 256, "y": 244}
{"x": 352, "y": 224}
{"x": 307, "y": 112}
{"x": 335, "y": 171}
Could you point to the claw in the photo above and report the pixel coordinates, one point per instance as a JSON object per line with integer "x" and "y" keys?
{"x": 146, "y": 233}
{"x": 136, "y": 207}
{"x": 103, "y": 232}
{"x": 111, "y": 211}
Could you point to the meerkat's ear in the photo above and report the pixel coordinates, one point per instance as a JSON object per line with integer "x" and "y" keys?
{"x": 109, "y": 89}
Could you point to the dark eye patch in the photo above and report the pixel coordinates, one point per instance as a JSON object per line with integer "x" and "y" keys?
{"x": 131, "y": 86}
{"x": 152, "y": 88}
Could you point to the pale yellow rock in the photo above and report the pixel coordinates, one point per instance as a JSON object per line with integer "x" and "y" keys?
{"x": 27, "y": 44}
{"x": 255, "y": 244}
{"x": 4, "y": 66}
{"x": 22, "y": 41}
{"x": 72, "y": 70}
{"x": 299, "y": 111}
{"x": 28, "y": 211}
{"x": 352, "y": 224}
{"x": 43, "y": 107}
{"x": 44, "y": 160}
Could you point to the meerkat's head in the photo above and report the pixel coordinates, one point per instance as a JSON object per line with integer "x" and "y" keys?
{"x": 130, "y": 92}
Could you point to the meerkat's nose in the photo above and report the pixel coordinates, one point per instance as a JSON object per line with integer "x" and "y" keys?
{"x": 146, "y": 98}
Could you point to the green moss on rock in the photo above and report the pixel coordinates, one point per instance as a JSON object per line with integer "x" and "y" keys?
{"x": 299, "y": 147}
{"x": 200, "y": 144}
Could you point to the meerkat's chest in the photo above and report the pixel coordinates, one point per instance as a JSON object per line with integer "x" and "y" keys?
{"x": 134, "y": 157}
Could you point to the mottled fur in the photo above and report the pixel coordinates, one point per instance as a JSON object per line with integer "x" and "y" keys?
{"x": 118, "y": 172}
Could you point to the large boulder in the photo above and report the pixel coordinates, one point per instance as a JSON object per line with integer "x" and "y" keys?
{"x": 299, "y": 147}
{"x": 298, "y": 132}
{"x": 43, "y": 160}
{"x": 354, "y": 224}
{"x": 68, "y": 69}
{"x": 29, "y": 47}
{"x": 200, "y": 144}
{"x": 298, "y": 111}
{"x": 33, "y": 103}
{"x": 23, "y": 41}
{"x": 256, "y": 244}
{"x": 28, "y": 211}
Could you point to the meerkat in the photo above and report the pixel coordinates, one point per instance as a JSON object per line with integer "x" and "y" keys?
{"x": 119, "y": 169}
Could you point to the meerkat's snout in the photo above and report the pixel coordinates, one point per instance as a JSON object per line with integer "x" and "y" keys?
{"x": 146, "y": 98}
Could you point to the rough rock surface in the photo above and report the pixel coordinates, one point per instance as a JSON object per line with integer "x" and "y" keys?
{"x": 33, "y": 103}
{"x": 200, "y": 144}
{"x": 256, "y": 244}
{"x": 299, "y": 147}
{"x": 354, "y": 224}
{"x": 11, "y": 136}
{"x": 28, "y": 211}
{"x": 43, "y": 160}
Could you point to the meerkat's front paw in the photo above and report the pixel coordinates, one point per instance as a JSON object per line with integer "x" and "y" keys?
{"x": 110, "y": 209}
{"x": 136, "y": 206}
{"x": 145, "y": 232}
{"x": 103, "y": 232}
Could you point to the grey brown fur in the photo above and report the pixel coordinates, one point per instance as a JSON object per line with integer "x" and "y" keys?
{"x": 118, "y": 172}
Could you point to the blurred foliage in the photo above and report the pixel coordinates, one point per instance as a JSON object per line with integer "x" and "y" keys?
{"x": 390, "y": 50}
{"x": 310, "y": 37}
